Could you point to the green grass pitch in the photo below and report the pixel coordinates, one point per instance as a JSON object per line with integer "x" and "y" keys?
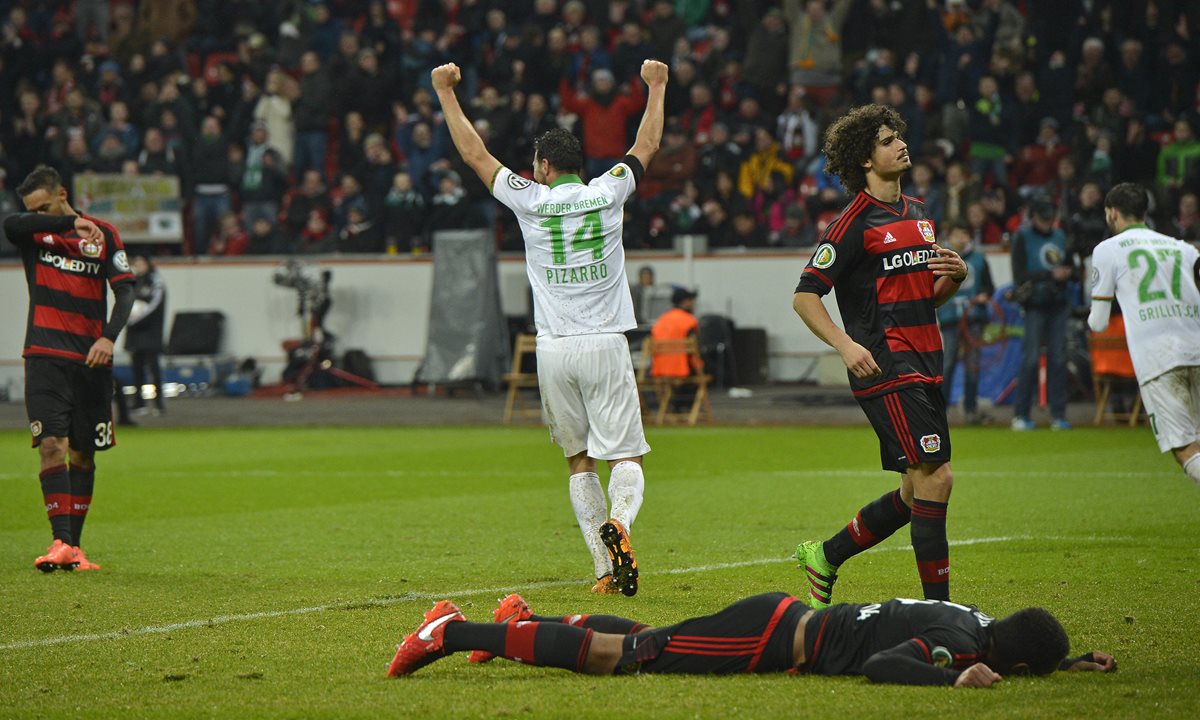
{"x": 270, "y": 572}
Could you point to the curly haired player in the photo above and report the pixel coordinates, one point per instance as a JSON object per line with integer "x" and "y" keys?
{"x": 881, "y": 257}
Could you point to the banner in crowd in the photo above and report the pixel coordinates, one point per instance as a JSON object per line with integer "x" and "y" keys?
{"x": 143, "y": 208}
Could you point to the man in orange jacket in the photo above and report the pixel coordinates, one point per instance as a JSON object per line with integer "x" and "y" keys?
{"x": 678, "y": 323}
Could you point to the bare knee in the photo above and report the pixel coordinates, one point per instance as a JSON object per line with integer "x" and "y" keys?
{"x": 53, "y": 451}
{"x": 581, "y": 463}
{"x": 932, "y": 481}
{"x": 604, "y": 653}
{"x": 1183, "y": 454}
{"x": 85, "y": 461}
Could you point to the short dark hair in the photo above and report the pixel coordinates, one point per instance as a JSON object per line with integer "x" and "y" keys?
{"x": 43, "y": 177}
{"x": 561, "y": 148}
{"x": 1129, "y": 199}
{"x": 1032, "y": 636}
{"x": 850, "y": 141}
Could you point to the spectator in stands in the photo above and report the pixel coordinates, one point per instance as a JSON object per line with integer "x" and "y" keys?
{"x": 210, "y": 176}
{"x": 1186, "y": 223}
{"x": 924, "y": 186}
{"x": 1087, "y": 226}
{"x": 765, "y": 173}
{"x": 1093, "y": 75}
{"x": 961, "y": 191}
{"x": 1179, "y": 161}
{"x": 720, "y": 155}
{"x": 78, "y": 116}
{"x": 1176, "y": 80}
{"x": 322, "y": 31}
{"x": 797, "y": 129}
{"x": 603, "y": 113}
{"x": 1041, "y": 268}
{"x": 8, "y": 206}
{"x": 169, "y": 19}
{"x": 25, "y": 133}
{"x": 980, "y": 227}
{"x": 404, "y": 212}
{"x": 1135, "y": 158}
{"x": 535, "y": 120}
{"x": 449, "y": 210}
{"x": 367, "y": 90}
{"x": 109, "y": 156}
{"x": 797, "y": 230}
{"x": 118, "y": 126}
{"x": 351, "y": 153}
{"x": 629, "y": 51}
{"x": 360, "y": 234}
{"x": 1038, "y": 163}
{"x": 232, "y": 239}
{"x": 265, "y": 239}
{"x": 716, "y": 224}
{"x": 665, "y": 27}
{"x": 1133, "y": 76}
{"x": 155, "y": 157}
{"x": 300, "y": 202}
{"x": 422, "y": 151}
{"x": 684, "y": 211}
{"x": 992, "y": 132}
{"x": 318, "y": 235}
{"x": 311, "y": 110}
{"x": 766, "y": 60}
{"x": 274, "y": 109}
{"x": 263, "y": 177}
{"x": 674, "y": 164}
{"x": 815, "y": 45}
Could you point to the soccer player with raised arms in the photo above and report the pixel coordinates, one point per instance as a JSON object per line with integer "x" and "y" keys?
{"x": 1155, "y": 279}
{"x": 582, "y": 306}
{"x": 881, "y": 257}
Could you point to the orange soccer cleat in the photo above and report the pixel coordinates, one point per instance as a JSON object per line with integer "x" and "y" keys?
{"x": 620, "y": 550}
{"x": 511, "y": 609}
{"x": 81, "y": 561}
{"x": 424, "y": 645}
{"x": 59, "y": 556}
{"x": 606, "y": 586}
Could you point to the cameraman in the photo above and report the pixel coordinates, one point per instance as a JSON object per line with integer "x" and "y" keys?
{"x": 1041, "y": 269}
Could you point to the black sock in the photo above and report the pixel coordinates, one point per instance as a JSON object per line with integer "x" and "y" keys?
{"x": 873, "y": 524}
{"x": 56, "y": 491}
{"x": 82, "y": 482}
{"x": 930, "y": 546}
{"x": 546, "y": 644}
{"x": 599, "y": 623}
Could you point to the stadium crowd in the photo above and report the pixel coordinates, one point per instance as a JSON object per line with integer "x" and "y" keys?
{"x": 309, "y": 126}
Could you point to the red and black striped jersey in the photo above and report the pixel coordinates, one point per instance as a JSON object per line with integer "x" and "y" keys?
{"x": 926, "y": 642}
{"x": 874, "y": 255}
{"x": 68, "y": 300}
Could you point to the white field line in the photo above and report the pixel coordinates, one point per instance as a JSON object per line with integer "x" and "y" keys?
{"x": 410, "y": 597}
{"x": 864, "y": 473}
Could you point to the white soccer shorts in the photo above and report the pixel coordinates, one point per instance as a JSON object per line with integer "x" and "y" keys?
{"x": 590, "y": 395}
{"x": 1173, "y": 403}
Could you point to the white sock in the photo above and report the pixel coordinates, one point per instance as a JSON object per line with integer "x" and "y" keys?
{"x": 625, "y": 486}
{"x": 1192, "y": 468}
{"x": 587, "y": 497}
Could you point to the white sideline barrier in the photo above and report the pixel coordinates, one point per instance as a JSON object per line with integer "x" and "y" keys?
{"x": 381, "y": 305}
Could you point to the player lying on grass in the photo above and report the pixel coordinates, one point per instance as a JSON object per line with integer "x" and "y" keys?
{"x": 911, "y": 642}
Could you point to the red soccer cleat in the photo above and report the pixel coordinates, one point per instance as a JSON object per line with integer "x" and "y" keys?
{"x": 511, "y": 609}
{"x": 425, "y": 644}
{"x": 59, "y": 556}
{"x": 82, "y": 563}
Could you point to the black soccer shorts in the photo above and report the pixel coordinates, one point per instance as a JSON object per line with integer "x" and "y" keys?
{"x": 911, "y": 425}
{"x": 754, "y": 634}
{"x": 71, "y": 400}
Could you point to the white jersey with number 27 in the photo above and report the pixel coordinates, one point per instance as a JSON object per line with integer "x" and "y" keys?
{"x": 573, "y": 251}
{"x": 1152, "y": 276}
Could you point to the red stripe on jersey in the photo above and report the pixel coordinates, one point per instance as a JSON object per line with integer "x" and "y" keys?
{"x": 819, "y": 275}
{"x": 672, "y": 647}
{"x": 900, "y": 287}
{"x": 714, "y": 640}
{"x": 53, "y": 352}
{"x": 855, "y": 208}
{"x": 810, "y": 661}
{"x": 914, "y": 338}
{"x": 74, "y": 323}
{"x": 906, "y": 379}
{"x": 841, "y": 219}
{"x": 80, "y": 286}
{"x": 924, "y": 649}
{"x": 581, "y": 658}
{"x": 784, "y": 604}
{"x": 900, "y": 423}
{"x": 123, "y": 277}
{"x": 860, "y": 533}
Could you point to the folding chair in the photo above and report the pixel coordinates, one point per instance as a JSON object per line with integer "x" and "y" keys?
{"x": 665, "y": 388}
{"x": 518, "y": 380}
{"x": 1112, "y": 367}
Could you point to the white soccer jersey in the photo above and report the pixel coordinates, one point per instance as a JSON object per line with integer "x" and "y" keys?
{"x": 573, "y": 251}
{"x": 1152, "y": 277}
